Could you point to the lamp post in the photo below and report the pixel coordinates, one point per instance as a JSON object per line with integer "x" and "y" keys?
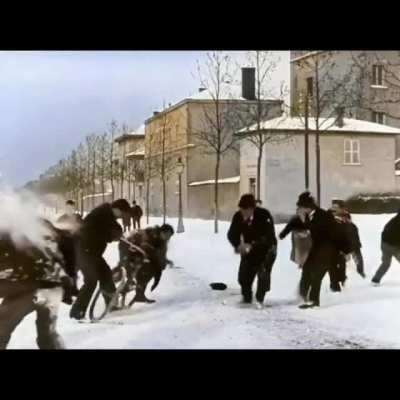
{"x": 180, "y": 167}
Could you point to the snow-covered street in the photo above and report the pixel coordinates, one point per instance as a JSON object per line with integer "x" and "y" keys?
{"x": 188, "y": 314}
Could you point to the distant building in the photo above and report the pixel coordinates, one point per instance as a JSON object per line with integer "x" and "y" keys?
{"x": 129, "y": 162}
{"x": 178, "y": 125}
{"x": 379, "y": 100}
{"x": 356, "y": 158}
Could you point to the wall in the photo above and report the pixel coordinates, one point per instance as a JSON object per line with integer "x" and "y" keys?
{"x": 201, "y": 200}
{"x": 283, "y": 169}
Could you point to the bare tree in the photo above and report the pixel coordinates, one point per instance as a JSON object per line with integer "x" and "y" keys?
{"x": 162, "y": 159}
{"x": 112, "y": 170}
{"x": 216, "y": 135}
{"x": 330, "y": 86}
{"x": 254, "y": 113}
{"x": 103, "y": 145}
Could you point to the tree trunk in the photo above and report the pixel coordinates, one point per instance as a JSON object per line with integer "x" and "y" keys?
{"x": 82, "y": 205}
{"x": 259, "y": 159}
{"x": 317, "y": 143}
{"x": 318, "y": 166}
{"x": 102, "y": 189}
{"x": 147, "y": 200}
{"x": 164, "y": 192}
{"x": 306, "y": 147}
{"x": 216, "y": 204}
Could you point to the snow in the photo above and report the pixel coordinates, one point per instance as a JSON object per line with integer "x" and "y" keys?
{"x": 310, "y": 53}
{"x": 227, "y": 92}
{"x": 286, "y": 123}
{"x": 188, "y": 314}
{"x": 234, "y": 179}
{"x": 139, "y": 152}
{"x": 379, "y": 87}
{"x": 89, "y": 196}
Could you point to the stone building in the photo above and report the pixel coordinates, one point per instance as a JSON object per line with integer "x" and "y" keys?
{"x": 357, "y": 157}
{"x": 175, "y": 133}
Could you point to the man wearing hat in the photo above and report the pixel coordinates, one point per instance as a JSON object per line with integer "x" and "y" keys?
{"x": 252, "y": 234}
{"x": 99, "y": 228}
{"x": 324, "y": 249}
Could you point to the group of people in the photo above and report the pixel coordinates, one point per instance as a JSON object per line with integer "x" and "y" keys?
{"x": 39, "y": 277}
{"x": 134, "y": 215}
{"x": 322, "y": 241}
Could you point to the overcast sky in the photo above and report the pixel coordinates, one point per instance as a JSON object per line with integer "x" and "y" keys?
{"x": 49, "y": 101}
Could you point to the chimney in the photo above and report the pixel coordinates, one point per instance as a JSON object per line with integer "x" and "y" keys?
{"x": 249, "y": 83}
{"x": 202, "y": 89}
{"x": 339, "y": 116}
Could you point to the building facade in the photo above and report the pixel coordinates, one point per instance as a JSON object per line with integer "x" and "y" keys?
{"x": 370, "y": 83}
{"x": 357, "y": 158}
{"x": 175, "y": 135}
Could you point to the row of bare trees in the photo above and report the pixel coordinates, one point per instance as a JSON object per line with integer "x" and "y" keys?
{"x": 97, "y": 167}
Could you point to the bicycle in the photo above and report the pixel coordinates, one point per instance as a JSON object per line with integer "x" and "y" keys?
{"x": 126, "y": 282}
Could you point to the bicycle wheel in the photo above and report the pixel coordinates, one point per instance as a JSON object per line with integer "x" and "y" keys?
{"x": 98, "y": 308}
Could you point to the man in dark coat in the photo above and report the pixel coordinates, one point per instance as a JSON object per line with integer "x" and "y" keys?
{"x": 137, "y": 214}
{"x": 326, "y": 244}
{"x": 33, "y": 279}
{"x": 252, "y": 234}
{"x": 390, "y": 246}
{"x": 154, "y": 242}
{"x": 99, "y": 228}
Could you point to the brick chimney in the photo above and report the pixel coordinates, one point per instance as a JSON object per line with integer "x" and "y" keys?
{"x": 339, "y": 117}
{"x": 249, "y": 83}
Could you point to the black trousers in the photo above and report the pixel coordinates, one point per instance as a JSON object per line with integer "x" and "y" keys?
{"x": 320, "y": 260}
{"x": 248, "y": 270}
{"x": 94, "y": 269}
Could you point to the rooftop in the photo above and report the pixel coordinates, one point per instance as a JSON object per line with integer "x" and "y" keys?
{"x": 135, "y": 134}
{"x": 228, "y": 92}
{"x": 285, "y": 123}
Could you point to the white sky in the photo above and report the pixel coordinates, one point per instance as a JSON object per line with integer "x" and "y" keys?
{"x": 49, "y": 101}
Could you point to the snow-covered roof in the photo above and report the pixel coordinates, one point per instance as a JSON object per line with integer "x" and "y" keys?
{"x": 310, "y": 53}
{"x": 139, "y": 152}
{"x": 233, "y": 179}
{"x": 286, "y": 123}
{"x": 139, "y": 131}
{"x": 89, "y": 196}
{"x": 227, "y": 92}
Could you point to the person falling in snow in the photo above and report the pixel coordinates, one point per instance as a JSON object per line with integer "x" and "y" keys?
{"x": 99, "y": 228}
{"x": 252, "y": 235}
{"x": 154, "y": 242}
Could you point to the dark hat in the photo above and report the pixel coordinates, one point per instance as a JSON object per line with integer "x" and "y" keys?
{"x": 121, "y": 204}
{"x": 167, "y": 228}
{"x": 218, "y": 286}
{"x": 306, "y": 200}
{"x": 247, "y": 201}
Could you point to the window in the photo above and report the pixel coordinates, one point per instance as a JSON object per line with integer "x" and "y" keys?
{"x": 310, "y": 86}
{"x": 352, "y": 152}
{"x": 379, "y": 117}
{"x": 252, "y": 186}
{"x": 377, "y": 75}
